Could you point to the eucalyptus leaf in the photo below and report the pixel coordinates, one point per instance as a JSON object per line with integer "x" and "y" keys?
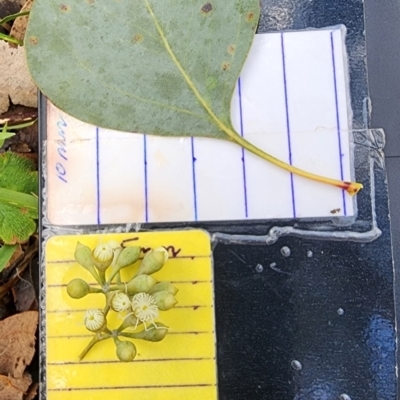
{"x": 160, "y": 67}
{"x": 166, "y": 67}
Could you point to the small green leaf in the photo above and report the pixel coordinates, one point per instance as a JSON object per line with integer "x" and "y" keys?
{"x": 5, "y": 131}
{"x": 15, "y": 225}
{"x": 17, "y": 173}
{"x": 18, "y": 205}
{"x": 10, "y": 39}
{"x": 27, "y": 203}
{"x": 6, "y": 252}
{"x": 11, "y": 17}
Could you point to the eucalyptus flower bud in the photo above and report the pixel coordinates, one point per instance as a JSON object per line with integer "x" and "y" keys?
{"x": 155, "y": 334}
{"x": 124, "y": 258}
{"x": 153, "y": 261}
{"x": 129, "y": 321}
{"x": 128, "y": 256}
{"x": 94, "y": 320}
{"x": 103, "y": 256}
{"x": 164, "y": 286}
{"x": 83, "y": 255}
{"x": 126, "y": 351}
{"x": 142, "y": 283}
{"x": 164, "y": 300}
{"x": 120, "y": 302}
{"x": 78, "y": 288}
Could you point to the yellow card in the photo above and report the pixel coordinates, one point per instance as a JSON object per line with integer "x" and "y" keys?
{"x": 181, "y": 366}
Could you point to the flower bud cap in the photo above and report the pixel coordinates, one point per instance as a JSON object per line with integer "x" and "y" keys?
{"x": 103, "y": 256}
{"x": 94, "y": 320}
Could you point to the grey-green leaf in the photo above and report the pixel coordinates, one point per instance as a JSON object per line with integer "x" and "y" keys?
{"x": 164, "y": 67}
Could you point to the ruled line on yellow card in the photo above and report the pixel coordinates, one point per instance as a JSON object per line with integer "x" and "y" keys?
{"x": 183, "y": 365}
{"x": 203, "y": 392}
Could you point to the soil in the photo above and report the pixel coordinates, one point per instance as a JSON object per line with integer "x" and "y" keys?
{"x": 19, "y": 280}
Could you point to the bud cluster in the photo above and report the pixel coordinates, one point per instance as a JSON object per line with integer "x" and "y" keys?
{"x": 138, "y": 301}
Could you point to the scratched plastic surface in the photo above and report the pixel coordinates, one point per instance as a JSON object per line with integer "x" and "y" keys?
{"x": 303, "y": 318}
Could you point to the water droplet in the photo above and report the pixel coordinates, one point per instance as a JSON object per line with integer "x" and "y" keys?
{"x": 344, "y": 396}
{"x": 296, "y": 365}
{"x": 259, "y": 268}
{"x": 285, "y": 251}
{"x": 340, "y": 311}
{"x": 272, "y": 265}
{"x": 309, "y": 253}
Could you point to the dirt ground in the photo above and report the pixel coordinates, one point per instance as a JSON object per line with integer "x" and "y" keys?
{"x": 19, "y": 280}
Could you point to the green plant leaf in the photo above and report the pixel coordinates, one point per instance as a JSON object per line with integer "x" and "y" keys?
{"x": 5, "y": 130}
{"x": 15, "y": 225}
{"x": 18, "y": 205}
{"x": 11, "y": 17}
{"x": 27, "y": 203}
{"x": 6, "y": 252}
{"x": 10, "y": 39}
{"x": 160, "y": 67}
{"x": 17, "y": 173}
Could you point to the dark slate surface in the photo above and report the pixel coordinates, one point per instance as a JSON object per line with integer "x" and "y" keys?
{"x": 383, "y": 57}
{"x": 307, "y": 327}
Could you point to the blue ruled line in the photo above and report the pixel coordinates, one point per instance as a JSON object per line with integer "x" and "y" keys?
{"x": 288, "y": 124}
{"x": 243, "y": 153}
{"x": 194, "y": 180}
{"x": 98, "y": 176}
{"x": 338, "y": 121}
{"x": 146, "y": 202}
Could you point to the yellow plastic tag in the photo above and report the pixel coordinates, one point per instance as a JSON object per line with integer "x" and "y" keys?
{"x": 182, "y": 366}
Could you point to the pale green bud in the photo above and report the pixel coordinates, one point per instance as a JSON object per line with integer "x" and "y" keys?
{"x": 128, "y": 256}
{"x": 154, "y": 334}
{"x": 153, "y": 261}
{"x": 164, "y": 286}
{"x": 142, "y": 283}
{"x": 83, "y": 255}
{"x": 126, "y": 351}
{"x": 129, "y": 321}
{"x": 164, "y": 300}
{"x": 103, "y": 256}
{"x": 94, "y": 320}
{"x": 123, "y": 258}
{"x": 78, "y": 288}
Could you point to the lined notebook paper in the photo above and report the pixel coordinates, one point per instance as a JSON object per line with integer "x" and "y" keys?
{"x": 291, "y": 100}
{"x": 182, "y": 366}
